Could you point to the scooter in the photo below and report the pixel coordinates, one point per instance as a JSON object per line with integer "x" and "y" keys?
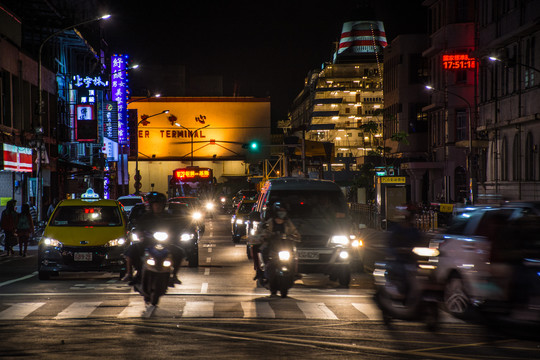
{"x": 278, "y": 264}
{"x": 409, "y": 291}
{"x": 157, "y": 265}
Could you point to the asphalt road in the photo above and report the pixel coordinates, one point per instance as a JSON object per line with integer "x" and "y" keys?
{"x": 218, "y": 312}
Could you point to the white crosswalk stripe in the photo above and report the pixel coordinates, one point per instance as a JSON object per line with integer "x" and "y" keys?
{"x": 316, "y": 311}
{"x": 198, "y": 309}
{"x": 371, "y": 311}
{"x": 134, "y": 309}
{"x": 78, "y": 310}
{"x": 254, "y": 309}
{"x": 20, "y": 311}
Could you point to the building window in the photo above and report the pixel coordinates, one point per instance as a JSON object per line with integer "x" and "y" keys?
{"x": 515, "y": 159}
{"x": 529, "y": 61}
{"x": 461, "y": 125}
{"x": 529, "y": 158}
{"x": 504, "y": 160}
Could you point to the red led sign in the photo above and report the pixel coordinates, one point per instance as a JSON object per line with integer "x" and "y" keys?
{"x": 190, "y": 174}
{"x": 458, "y": 62}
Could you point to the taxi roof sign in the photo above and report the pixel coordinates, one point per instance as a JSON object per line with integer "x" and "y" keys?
{"x": 90, "y": 195}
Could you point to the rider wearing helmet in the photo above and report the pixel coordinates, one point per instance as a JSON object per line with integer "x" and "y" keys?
{"x": 278, "y": 223}
{"x": 151, "y": 220}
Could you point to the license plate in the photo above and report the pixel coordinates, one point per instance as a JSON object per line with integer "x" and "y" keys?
{"x": 308, "y": 255}
{"x": 82, "y": 256}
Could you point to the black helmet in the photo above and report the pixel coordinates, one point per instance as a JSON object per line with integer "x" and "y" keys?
{"x": 155, "y": 197}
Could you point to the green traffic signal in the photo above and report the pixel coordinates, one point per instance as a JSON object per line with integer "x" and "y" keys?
{"x": 254, "y": 145}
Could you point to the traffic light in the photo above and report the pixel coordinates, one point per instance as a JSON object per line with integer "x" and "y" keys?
{"x": 252, "y": 146}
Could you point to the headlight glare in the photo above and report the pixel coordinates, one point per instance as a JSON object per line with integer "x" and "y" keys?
{"x": 134, "y": 237}
{"x": 424, "y": 251}
{"x": 186, "y": 237}
{"x": 160, "y": 236}
{"x": 52, "y": 242}
{"x": 209, "y": 206}
{"x": 344, "y": 255}
{"x": 167, "y": 263}
{"x": 151, "y": 262}
{"x": 116, "y": 242}
{"x": 284, "y": 255}
{"x": 239, "y": 221}
{"x": 340, "y": 240}
{"x": 197, "y": 215}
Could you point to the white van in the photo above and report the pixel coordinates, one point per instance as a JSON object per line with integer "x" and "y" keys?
{"x": 320, "y": 213}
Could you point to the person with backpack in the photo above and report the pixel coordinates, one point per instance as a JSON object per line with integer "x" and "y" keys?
{"x": 9, "y": 225}
{"x": 25, "y": 227}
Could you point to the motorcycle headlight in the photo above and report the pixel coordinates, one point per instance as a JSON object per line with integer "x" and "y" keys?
{"x": 161, "y": 236}
{"x": 239, "y": 221}
{"x": 284, "y": 255}
{"x": 209, "y": 205}
{"x": 167, "y": 263}
{"x": 196, "y": 215}
{"x": 424, "y": 251}
{"x": 151, "y": 262}
{"x": 115, "y": 242}
{"x": 223, "y": 199}
{"x": 52, "y": 242}
{"x": 339, "y": 240}
{"x": 186, "y": 237}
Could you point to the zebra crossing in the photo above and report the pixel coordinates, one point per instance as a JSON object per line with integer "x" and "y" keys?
{"x": 197, "y": 309}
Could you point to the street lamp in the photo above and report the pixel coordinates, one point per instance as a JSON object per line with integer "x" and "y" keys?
{"x": 144, "y": 98}
{"x": 496, "y": 59}
{"x": 40, "y": 108}
{"x": 191, "y": 134}
{"x": 429, "y": 87}
{"x": 137, "y": 175}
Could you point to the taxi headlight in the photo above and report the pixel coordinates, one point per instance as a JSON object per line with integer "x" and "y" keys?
{"x": 196, "y": 215}
{"x": 167, "y": 263}
{"x": 52, "y": 242}
{"x": 284, "y": 255}
{"x": 160, "y": 236}
{"x": 339, "y": 240}
{"x": 239, "y": 221}
{"x": 115, "y": 242}
{"x": 186, "y": 237}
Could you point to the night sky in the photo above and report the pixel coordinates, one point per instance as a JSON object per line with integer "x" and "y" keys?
{"x": 265, "y": 48}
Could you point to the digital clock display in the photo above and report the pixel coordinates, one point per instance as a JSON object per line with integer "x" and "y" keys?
{"x": 458, "y": 62}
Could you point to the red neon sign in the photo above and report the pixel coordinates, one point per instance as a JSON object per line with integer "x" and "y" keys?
{"x": 458, "y": 62}
{"x": 191, "y": 174}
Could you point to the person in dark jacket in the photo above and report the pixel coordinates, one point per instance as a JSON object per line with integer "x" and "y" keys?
{"x": 25, "y": 227}
{"x": 9, "y": 225}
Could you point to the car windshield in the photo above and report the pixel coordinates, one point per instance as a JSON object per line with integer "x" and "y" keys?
{"x": 179, "y": 209}
{"x": 130, "y": 201}
{"x": 245, "y": 208}
{"x": 311, "y": 204}
{"x": 87, "y": 216}
{"x": 187, "y": 200}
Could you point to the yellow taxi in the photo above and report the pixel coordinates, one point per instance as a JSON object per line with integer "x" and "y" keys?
{"x": 87, "y": 234}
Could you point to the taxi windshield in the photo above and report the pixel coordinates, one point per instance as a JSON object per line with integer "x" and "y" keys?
{"x": 87, "y": 216}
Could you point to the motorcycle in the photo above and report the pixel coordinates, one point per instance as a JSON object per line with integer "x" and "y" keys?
{"x": 278, "y": 265}
{"x": 408, "y": 291}
{"x": 156, "y": 269}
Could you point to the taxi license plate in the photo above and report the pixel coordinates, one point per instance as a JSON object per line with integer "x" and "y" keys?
{"x": 82, "y": 256}
{"x": 308, "y": 255}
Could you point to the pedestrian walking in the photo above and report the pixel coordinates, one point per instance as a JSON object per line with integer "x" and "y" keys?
{"x": 33, "y": 212}
{"x": 8, "y": 222}
{"x": 25, "y": 227}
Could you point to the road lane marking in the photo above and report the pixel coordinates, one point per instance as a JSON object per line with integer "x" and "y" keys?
{"x": 18, "y": 279}
{"x": 207, "y": 271}
{"x": 317, "y": 311}
{"x": 198, "y": 309}
{"x": 20, "y": 311}
{"x": 257, "y": 309}
{"x": 78, "y": 310}
{"x": 208, "y": 259}
{"x": 371, "y": 311}
{"x": 134, "y": 309}
{"x": 204, "y": 288}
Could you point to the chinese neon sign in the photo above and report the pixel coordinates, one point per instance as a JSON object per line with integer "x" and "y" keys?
{"x": 89, "y": 82}
{"x": 458, "y": 62}
{"x": 119, "y": 87}
{"x": 191, "y": 173}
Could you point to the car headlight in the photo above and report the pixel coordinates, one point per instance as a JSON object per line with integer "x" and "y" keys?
{"x": 209, "y": 205}
{"x": 186, "y": 237}
{"x": 356, "y": 243}
{"x": 151, "y": 262}
{"x": 52, "y": 242}
{"x": 115, "y": 242}
{"x": 284, "y": 255}
{"x": 339, "y": 240}
{"x": 167, "y": 263}
{"x": 239, "y": 221}
{"x": 196, "y": 215}
{"x": 424, "y": 251}
{"x": 161, "y": 236}
{"x": 134, "y": 237}
{"x": 223, "y": 199}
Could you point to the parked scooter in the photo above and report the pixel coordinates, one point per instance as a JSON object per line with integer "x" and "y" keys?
{"x": 409, "y": 291}
{"x": 157, "y": 265}
{"x": 278, "y": 264}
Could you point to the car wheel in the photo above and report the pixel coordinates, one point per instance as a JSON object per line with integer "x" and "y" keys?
{"x": 456, "y": 300}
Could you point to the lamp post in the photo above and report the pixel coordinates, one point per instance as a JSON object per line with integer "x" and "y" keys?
{"x": 191, "y": 134}
{"x": 144, "y": 98}
{"x": 137, "y": 175}
{"x": 496, "y": 59}
{"x": 470, "y": 134}
{"x": 40, "y": 110}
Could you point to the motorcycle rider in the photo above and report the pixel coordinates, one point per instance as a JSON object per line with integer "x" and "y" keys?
{"x": 148, "y": 222}
{"x": 273, "y": 227}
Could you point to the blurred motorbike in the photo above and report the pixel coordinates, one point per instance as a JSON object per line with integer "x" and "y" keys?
{"x": 157, "y": 266}
{"x": 408, "y": 291}
{"x": 278, "y": 264}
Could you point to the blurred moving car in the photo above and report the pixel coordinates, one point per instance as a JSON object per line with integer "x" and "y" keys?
{"x": 490, "y": 261}
{"x": 129, "y": 201}
{"x": 243, "y": 195}
{"x": 86, "y": 234}
{"x": 239, "y": 220}
{"x": 196, "y": 209}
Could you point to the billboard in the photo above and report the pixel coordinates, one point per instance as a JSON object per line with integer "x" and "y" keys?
{"x": 119, "y": 87}
{"x": 86, "y": 127}
{"x": 16, "y": 158}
